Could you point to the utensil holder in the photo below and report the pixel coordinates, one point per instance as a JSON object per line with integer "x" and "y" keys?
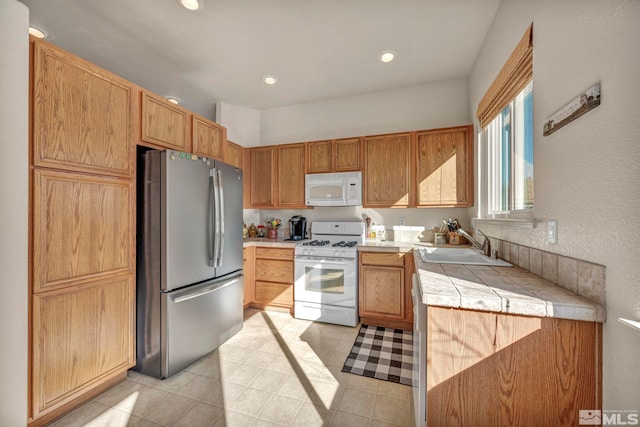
{"x": 272, "y": 233}
{"x": 456, "y": 239}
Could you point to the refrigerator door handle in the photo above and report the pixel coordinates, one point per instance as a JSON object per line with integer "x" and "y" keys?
{"x": 211, "y": 220}
{"x": 220, "y": 219}
{"x": 216, "y": 201}
{"x": 205, "y": 291}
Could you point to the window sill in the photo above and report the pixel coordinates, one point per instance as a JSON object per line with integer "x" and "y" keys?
{"x": 524, "y": 223}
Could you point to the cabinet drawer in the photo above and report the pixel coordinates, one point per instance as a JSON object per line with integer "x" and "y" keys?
{"x": 274, "y": 253}
{"x": 377, "y": 258}
{"x": 274, "y": 293}
{"x": 272, "y": 270}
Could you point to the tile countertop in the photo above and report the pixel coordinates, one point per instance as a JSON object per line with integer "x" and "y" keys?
{"x": 509, "y": 290}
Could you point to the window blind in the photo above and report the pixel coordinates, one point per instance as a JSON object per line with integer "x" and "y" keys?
{"x": 512, "y": 78}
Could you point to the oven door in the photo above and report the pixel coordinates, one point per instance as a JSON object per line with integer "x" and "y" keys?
{"x": 326, "y": 280}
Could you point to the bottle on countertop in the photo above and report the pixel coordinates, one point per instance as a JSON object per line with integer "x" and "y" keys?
{"x": 252, "y": 231}
{"x": 244, "y": 230}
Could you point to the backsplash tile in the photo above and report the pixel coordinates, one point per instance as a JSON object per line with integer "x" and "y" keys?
{"x": 535, "y": 261}
{"x": 568, "y": 273}
{"x": 591, "y": 279}
{"x": 581, "y": 277}
{"x": 523, "y": 257}
{"x": 550, "y": 267}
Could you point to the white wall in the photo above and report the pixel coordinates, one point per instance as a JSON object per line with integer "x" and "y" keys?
{"x": 14, "y": 193}
{"x": 242, "y": 123}
{"x": 587, "y": 174}
{"x": 426, "y": 217}
{"x": 414, "y": 108}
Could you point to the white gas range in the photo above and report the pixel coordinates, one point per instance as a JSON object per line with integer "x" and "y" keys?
{"x": 326, "y": 273}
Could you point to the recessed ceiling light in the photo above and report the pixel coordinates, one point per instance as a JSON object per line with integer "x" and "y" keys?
{"x": 173, "y": 100}
{"x": 38, "y": 32}
{"x": 387, "y": 56}
{"x": 191, "y": 4}
{"x": 270, "y": 80}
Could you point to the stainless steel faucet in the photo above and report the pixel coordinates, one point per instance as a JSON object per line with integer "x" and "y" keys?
{"x": 485, "y": 246}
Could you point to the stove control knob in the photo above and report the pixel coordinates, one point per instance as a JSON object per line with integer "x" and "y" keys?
{"x": 342, "y": 253}
{"x": 311, "y": 252}
{"x": 336, "y": 253}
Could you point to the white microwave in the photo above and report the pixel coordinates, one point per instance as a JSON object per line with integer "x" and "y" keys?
{"x": 333, "y": 189}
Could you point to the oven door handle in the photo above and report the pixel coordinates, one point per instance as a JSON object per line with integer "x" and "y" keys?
{"x": 324, "y": 260}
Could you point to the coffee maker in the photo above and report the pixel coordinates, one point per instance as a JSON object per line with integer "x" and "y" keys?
{"x": 297, "y": 228}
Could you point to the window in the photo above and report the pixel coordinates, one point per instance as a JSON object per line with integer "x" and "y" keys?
{"x": 506, "y": 140}
{"x": 508, "y": 143}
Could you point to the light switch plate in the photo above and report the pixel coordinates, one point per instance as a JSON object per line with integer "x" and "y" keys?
{"x": 552, "y": 232}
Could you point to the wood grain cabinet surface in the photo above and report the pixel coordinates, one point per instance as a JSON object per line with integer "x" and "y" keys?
{"x": 320, "y": 156}
{"x": 387, "y": 171}
{"x": 444, "y": 165}
{"x": 291, "y": 170}
{"x": 274, "y": 275}
{"x": 163, "y": 124}
{"x": 494, "y": 369}
{"x": 263, "y": 177}
{"x": 83, "y": 116}
{"x": 234, "y": 155}
{"x": 83, "y": 228}
{"x": 209, "y": 138}
{"x": 339, "y": 155}
{"x": 347, "y": 155}
{"x": 384, "y": 290}
{"x": 82, "y": 335}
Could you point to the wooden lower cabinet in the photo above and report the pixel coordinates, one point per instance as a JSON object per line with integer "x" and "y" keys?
{"x": 384, "y": 287}
{"x": 83, "y": 336}
{"x": 270, "y": 282}
{"x": 490, "y": 369}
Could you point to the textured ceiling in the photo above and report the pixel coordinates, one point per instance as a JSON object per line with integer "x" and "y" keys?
{"x": 317, "y": 49}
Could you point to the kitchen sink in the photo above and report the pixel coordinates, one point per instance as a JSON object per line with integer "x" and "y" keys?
{"x": 459, "y": 256}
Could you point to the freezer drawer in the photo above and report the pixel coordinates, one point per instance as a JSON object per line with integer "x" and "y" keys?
{"x": 198, "y": 319}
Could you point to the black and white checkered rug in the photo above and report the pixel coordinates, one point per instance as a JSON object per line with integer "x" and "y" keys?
{"x": 382, "y": 353}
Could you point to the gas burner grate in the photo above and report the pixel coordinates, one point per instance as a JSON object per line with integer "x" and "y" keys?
{"x": 344, "y": 244}
{"x": 316, "y": 243}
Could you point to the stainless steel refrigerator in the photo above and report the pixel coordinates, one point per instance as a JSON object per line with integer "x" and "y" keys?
{"x": 189, "y": 259}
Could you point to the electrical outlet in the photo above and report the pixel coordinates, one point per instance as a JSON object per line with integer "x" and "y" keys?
{"x": 552, "y": 232}
{"x": 402, "y": 220}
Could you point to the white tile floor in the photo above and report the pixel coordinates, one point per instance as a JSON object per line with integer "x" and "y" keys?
{"x": 277, "y": 371}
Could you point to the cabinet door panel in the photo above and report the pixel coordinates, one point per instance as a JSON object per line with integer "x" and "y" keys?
{"x": 234, "y": 155}
{"x": 347, "y": 153}
{"x": 274, "y": 293}
{"x": 272, "y": 270}
{"x": 83, "y": 228}
{"x": 82, "y": 115}
{"x": 387, "y": 171}
{"x": 263, "y": 166}
{"x": 382, "y": 292}
{"x": 164, "y": 123}
{"x": 444, "y": 167}
{"x": 291, "y": 168}
{"x": 81, "y": 336}
{"x": 320, "y": 156}
{"x": 209, "y": 138}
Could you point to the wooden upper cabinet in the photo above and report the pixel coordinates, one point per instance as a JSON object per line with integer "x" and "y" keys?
{"x": 444, "y": 159}
{"x": 320, "y": 156}
{"x": 83, "y": 228}
{"x": 291, "y": 169}
{"x": 83, "y": 116}
{"x": 81, "y": 336}
{"x": 164, "y": 124}
{"x": 340, "y": 155}
{"x": 263, "y": 177}
{"x": 387, "y": 170}
{"x": 347, "y": 154}
{"x": 234, "y": 155}
{"x": 209, "y": 138}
